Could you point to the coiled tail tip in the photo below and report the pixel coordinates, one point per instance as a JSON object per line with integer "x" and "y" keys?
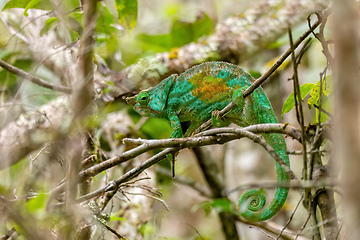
{"x": 251, "y": 203}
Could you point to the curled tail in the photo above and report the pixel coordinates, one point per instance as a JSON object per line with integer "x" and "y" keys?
{"x": 252, "y": 202}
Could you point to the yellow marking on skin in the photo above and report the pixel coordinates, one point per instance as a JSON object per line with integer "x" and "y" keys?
{"x": 208, "y": 88}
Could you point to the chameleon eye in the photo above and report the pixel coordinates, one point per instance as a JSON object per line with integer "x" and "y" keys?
{"x": 143, "y": 98}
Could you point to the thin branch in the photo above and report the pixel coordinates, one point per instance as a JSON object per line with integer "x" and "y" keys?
{"x": 33, "y": 79}
{"x": 298, "y": 102}
{"x": 201, "y": 238}
{"x": 290, "y": 218}
{"x": 184, "y": 181}
{"x": 129, "y": 175}
{"x": 8, "y": 234}
{"x": 270, "y": 227}
{"x": 323, "y": 110}
{"x": 113, "y": 231}
{"x": 189, "y": 143}
{"x": 301, "y": 184}
{"x": 153, "y": 197}
{"x": 265, "y": 233}
{"x": 303, "y": 226}
{"x": 229, "y": 134}
{"x": 320, "y": 36}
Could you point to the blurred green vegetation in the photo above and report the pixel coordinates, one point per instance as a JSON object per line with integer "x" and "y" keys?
{"x": 119, "y": 43}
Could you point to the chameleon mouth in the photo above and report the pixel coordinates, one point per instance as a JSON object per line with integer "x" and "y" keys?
{"x": 141, "y": 109}
{"x": 131, "y": 100}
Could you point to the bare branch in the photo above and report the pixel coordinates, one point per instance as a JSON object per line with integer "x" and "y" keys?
{"x": 33, "y": 79}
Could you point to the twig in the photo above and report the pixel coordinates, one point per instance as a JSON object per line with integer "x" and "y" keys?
{"x": 323, "y": 110}
{"x": 298, "y": 103}
{"x": 303, "y": 226}
{"x": 269, "y": 226}
{"x": 184, "y": 181}
{"x": 268, "y": 235}
{"x": 153, "y": 197}
{"x": 195, "y": 230}
{"x": 320, "y": 36}
{"x": 8, "y": 234}
{"x": 300, "y": 152}
{"x": 118, "y": 235}
{"x": 191, "y": 142}
{"x": 301, "y": 184}
{"x": 290, "y": 218}
{"x": 129, "y": 175}
{"x": 201, "y": 140}
{"x": 33, "y": 79}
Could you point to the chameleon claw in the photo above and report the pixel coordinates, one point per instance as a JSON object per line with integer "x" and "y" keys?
{"x": 171, "y": 158}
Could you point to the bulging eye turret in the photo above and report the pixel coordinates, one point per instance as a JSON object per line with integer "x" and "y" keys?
{"x": 143, "y": 98}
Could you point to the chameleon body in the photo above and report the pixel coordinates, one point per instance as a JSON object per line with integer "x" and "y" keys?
{"x": 196, "y": 95}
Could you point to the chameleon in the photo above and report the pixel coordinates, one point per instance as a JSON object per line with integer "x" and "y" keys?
{"x": 197, "y": 95}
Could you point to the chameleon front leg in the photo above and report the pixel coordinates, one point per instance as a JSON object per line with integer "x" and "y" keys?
{"x": 175, "y": 125}
{"x": 177, "y": 133}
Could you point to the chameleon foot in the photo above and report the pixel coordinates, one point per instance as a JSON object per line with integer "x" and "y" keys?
{"x": 217, "y": 121}
{"x": 171, "y": 158}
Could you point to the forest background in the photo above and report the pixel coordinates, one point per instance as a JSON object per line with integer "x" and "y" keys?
{"x": 71, "y": 169}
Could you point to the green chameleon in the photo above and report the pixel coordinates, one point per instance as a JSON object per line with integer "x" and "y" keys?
{"x": 196, "y": 96}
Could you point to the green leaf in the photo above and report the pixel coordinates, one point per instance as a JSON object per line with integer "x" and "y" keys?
{"x": 202, "y": 26}
{"x": 38, "y": 203}
{"x": 16, "y": 4}
{"x": 106, "y": 23}
{"x": 219, "y": 205}
{"x": 48, "y": 24}
{"x": 156, "y": 43}
{"x": 31, "y": 4}
{"x": 127, "y": 13}
{"x": 147, "y": 229}
{"x": 181, "y": 33}
{"x": 185, "y": 32}
{"x": 115, "y": 218}
{"x": 290, "y": 101}
{"x": 26, "y": 4}
{"x": 327, "y": 88}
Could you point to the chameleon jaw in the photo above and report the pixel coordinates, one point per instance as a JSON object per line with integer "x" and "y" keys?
{"x": 131, "y": 100}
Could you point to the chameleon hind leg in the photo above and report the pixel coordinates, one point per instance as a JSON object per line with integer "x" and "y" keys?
{"x": 238, "y": 99}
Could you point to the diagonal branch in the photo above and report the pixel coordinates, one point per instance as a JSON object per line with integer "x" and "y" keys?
{"x": 263, "y": 78}
{"x": 33, "y": 79}
{"x": 236, "y": 38}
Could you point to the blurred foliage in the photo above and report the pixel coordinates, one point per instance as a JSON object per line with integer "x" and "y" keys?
{"x": 219, "y": 205}
{"x": 290, "y": 101}
{"x": 127, "y": 13}
{"x": 314, "y": 100}
{"x": 118, "y": 44}
{"x": 26, "y": 4}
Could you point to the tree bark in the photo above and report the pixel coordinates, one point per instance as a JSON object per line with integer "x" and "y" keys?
{"x": 347, "y": 107}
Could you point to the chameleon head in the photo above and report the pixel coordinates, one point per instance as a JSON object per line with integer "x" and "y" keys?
{"x": 140, "y": 102}
{"x": 152, "y": 102}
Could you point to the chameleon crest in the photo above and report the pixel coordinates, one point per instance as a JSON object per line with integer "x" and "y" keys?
{"x": 200, "y": 92}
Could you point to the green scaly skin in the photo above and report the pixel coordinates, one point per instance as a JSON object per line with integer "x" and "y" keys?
{"x": 197, "y": 95}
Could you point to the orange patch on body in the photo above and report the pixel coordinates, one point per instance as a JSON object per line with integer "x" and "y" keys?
{"x": 208, "y": 88}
